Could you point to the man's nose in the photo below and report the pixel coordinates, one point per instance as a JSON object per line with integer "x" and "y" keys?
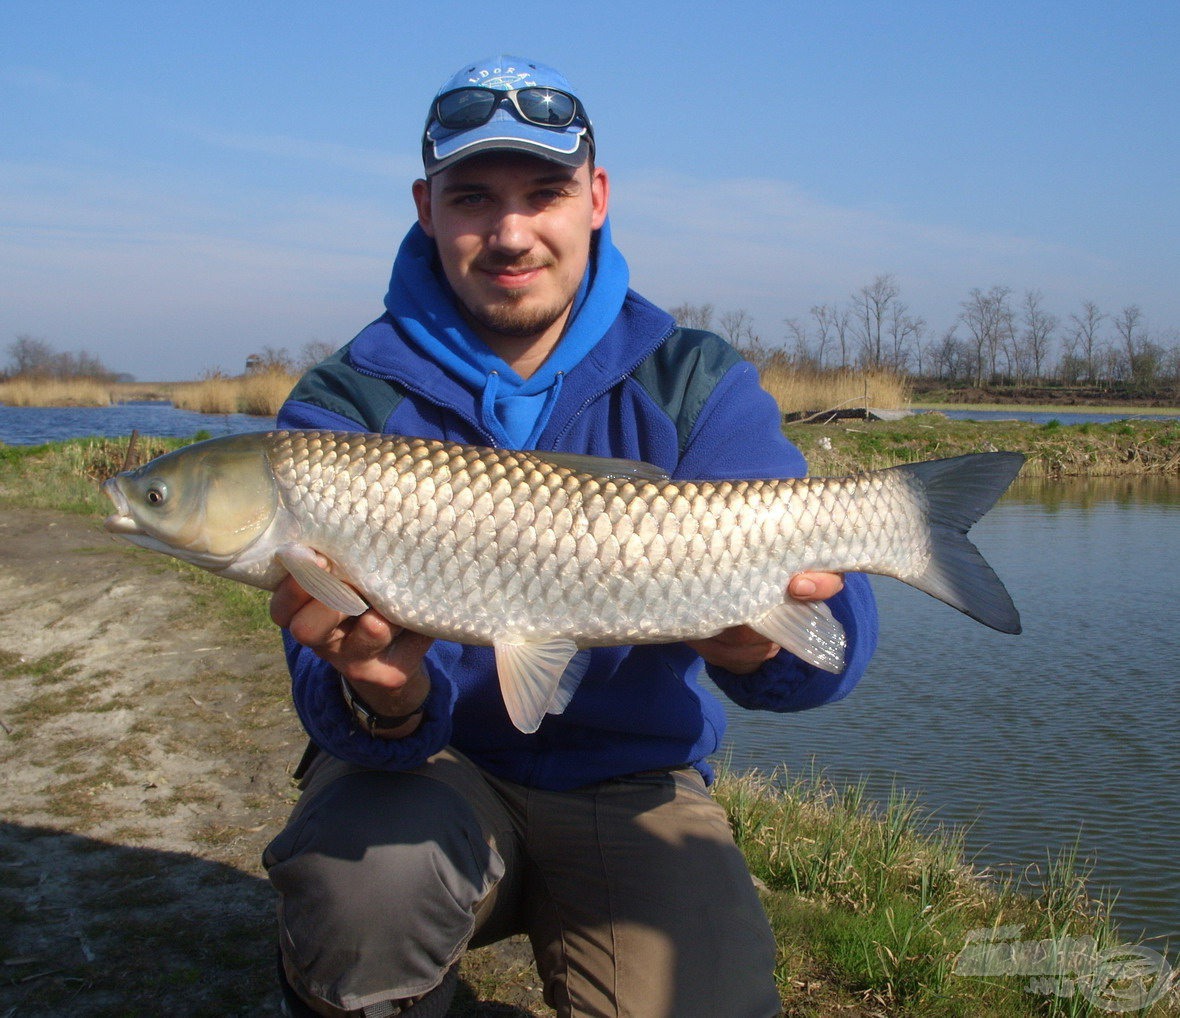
{"x": 512, "y": 232}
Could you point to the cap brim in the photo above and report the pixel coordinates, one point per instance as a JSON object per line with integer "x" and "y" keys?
{"x": 503, "y": 133}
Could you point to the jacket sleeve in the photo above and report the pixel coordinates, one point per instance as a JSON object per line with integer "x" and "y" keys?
{"x": 739, "y": 434}
{"x": 315, "y": 685}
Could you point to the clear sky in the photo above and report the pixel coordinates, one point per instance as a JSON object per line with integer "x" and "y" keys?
{"x": 184, "y": 183}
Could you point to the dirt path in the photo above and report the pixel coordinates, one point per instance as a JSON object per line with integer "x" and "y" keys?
{"x": 144, "y": 762}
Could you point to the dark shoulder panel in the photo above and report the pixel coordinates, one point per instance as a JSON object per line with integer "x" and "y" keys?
{"x": 682, "y": 374}
{"x": 335, "y": 385}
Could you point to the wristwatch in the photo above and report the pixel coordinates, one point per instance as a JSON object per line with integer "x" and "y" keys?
{"x": 372, "y": 723}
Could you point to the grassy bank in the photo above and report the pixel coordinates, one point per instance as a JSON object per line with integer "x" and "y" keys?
{"x": 1117, "y": 449}
{"x": 871, "y": 904}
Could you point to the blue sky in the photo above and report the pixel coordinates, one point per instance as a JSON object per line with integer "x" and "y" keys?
{"x": 183, "y": 183}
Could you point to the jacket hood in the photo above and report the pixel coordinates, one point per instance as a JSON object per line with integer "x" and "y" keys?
{"x": 427, "y": 346}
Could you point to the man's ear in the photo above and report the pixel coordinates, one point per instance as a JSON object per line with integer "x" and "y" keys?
{"x": 421, "y": 191}
{"x": 600, "y": 194}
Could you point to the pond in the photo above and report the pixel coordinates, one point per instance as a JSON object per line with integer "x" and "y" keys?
{"x": 1068, "y": 732}
{"x": 34, "y": 425}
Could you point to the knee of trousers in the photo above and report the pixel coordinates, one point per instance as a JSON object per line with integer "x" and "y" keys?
{"x": 378, "y": 880}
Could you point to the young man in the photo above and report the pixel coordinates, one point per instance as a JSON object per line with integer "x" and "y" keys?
{"x": 428, "y": 823}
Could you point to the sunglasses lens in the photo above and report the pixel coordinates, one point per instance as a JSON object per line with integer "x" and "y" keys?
{"x": 469, "y": 107}
{"x": 547, "y": 107}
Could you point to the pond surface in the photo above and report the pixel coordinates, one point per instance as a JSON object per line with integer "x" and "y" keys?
{"x": 1068, "y": 732}
{"x": 34, "y": 425}
{"x": 1062, "y": 416}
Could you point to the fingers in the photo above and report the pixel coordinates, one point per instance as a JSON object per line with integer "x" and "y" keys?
{"x": 287, "y": 599}
{"x": 739, "y": 650}
{"x": 815, "y": 586}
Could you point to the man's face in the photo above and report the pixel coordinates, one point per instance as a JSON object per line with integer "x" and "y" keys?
{"x": 513, "y": 234}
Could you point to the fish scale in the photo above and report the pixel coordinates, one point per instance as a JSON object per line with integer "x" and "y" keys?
{"x": 544, "y": 555}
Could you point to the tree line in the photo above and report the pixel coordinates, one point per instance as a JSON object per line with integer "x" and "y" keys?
{"x": 29, "y": 357}
{"x": 33, "y": 358}
{"x": 998, "y": 338}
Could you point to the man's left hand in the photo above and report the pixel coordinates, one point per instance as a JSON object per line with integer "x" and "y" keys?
{"x": 741, "y": 650}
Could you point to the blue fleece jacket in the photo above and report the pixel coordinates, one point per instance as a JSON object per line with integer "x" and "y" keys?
{"x": 646, "y": 390}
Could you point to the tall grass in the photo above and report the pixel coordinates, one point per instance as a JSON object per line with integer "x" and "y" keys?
{"x": 263, "y": 392}
{"x": 22, "y": 391}
{"x": 872, "y": 905}
{"x": 803, "y": 389}
{"x": 259, "y": 393}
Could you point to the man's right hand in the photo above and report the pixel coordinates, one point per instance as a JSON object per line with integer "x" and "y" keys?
{"x": 381, "y": 661}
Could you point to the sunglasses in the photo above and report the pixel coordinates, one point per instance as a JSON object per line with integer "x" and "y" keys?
{"x": 464, "y": 108}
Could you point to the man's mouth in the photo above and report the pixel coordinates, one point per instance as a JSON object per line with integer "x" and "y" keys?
{"x": 512, "y": 277}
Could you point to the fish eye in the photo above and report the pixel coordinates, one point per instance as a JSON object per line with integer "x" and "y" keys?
{"x": 157, "y": 494}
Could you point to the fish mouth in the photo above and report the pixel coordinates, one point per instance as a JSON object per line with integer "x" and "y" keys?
{"x": 121, "y": 520}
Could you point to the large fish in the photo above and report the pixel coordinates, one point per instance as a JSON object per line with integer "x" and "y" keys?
{"x": 541, "y": 555}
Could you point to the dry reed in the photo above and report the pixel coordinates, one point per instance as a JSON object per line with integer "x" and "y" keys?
{"x": 265, "y": 391}
{"x": 54, "y": 392}
{"x": 804, "y": 389}
{"x": 259, "y": 394}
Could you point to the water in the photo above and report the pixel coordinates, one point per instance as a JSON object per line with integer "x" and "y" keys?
{"x": 1044, "y": 417}
{"x": 33, "y": 425}
{"x": 1066, "y": 733}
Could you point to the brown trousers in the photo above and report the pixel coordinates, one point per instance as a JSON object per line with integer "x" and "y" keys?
{"x": 634, "y": 896}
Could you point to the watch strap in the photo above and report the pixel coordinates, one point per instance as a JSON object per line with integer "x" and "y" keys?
{"x": 369, "y": 720}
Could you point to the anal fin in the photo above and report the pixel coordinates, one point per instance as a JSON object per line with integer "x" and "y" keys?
{"x": 532, "y": 678}
{"x": 808, "y": 630}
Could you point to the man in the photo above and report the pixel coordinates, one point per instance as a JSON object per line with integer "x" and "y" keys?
{"x": 428, "y": 823}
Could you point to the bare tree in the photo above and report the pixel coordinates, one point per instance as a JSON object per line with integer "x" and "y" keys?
{"x": 1039, "y": 326}
{"x": 1085, "y": 333}
{"x": 737, "y": 327}
{"x": 988, "y": 318}
{"x": 825, "y": 327}
{"x": 30, "y": 356}
{"x": 871, "y": 306}
{"x": 842, "y": 327}
{"x": 311, "y": 353}
{"x": 946, "y": 356}
{"x": 1142, "y": 360}
{"x": 904, "y": 333}
{"x": 800, "y": 343}
{"x": 693, "y": 316}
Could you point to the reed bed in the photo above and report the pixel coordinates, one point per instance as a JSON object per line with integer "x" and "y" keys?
{"x": 804, "y": 390}
{"x": 259, "y": 394}
{"x": 55, "y": 392}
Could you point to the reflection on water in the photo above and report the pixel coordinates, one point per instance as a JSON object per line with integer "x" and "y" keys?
{"x": 1069, "y": 731}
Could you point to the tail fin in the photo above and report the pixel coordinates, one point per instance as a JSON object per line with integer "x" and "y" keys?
{"x": 959, "y": 491}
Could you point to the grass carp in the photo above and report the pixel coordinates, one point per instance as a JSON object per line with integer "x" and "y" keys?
{"x": 541, "y": 555}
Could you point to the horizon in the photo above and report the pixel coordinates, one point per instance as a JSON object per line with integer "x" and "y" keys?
{"x": 184, "y": 187}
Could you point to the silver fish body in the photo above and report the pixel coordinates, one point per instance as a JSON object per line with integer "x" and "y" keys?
{"x": 543, "y": 555}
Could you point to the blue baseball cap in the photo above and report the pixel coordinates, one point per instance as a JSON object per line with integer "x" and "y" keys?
{"x": 506, "y": 129}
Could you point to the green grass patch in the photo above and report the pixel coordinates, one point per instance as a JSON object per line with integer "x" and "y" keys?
{"x": 873, "y": 903}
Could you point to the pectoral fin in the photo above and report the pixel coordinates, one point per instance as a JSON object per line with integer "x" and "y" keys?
{"x": 808, "y": 630}
{"x": 301, "y": 563}
{"x": 533, "y": 678}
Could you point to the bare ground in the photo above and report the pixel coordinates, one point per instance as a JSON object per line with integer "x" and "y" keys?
{"x": 145, "y": 759}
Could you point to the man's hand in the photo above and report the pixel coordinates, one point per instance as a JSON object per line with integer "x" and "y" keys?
{"x": 741, "y": 650}
{"x": 382, "y": 662}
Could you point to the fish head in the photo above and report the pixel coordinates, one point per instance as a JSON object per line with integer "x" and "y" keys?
{"x": 206, "y": 503}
